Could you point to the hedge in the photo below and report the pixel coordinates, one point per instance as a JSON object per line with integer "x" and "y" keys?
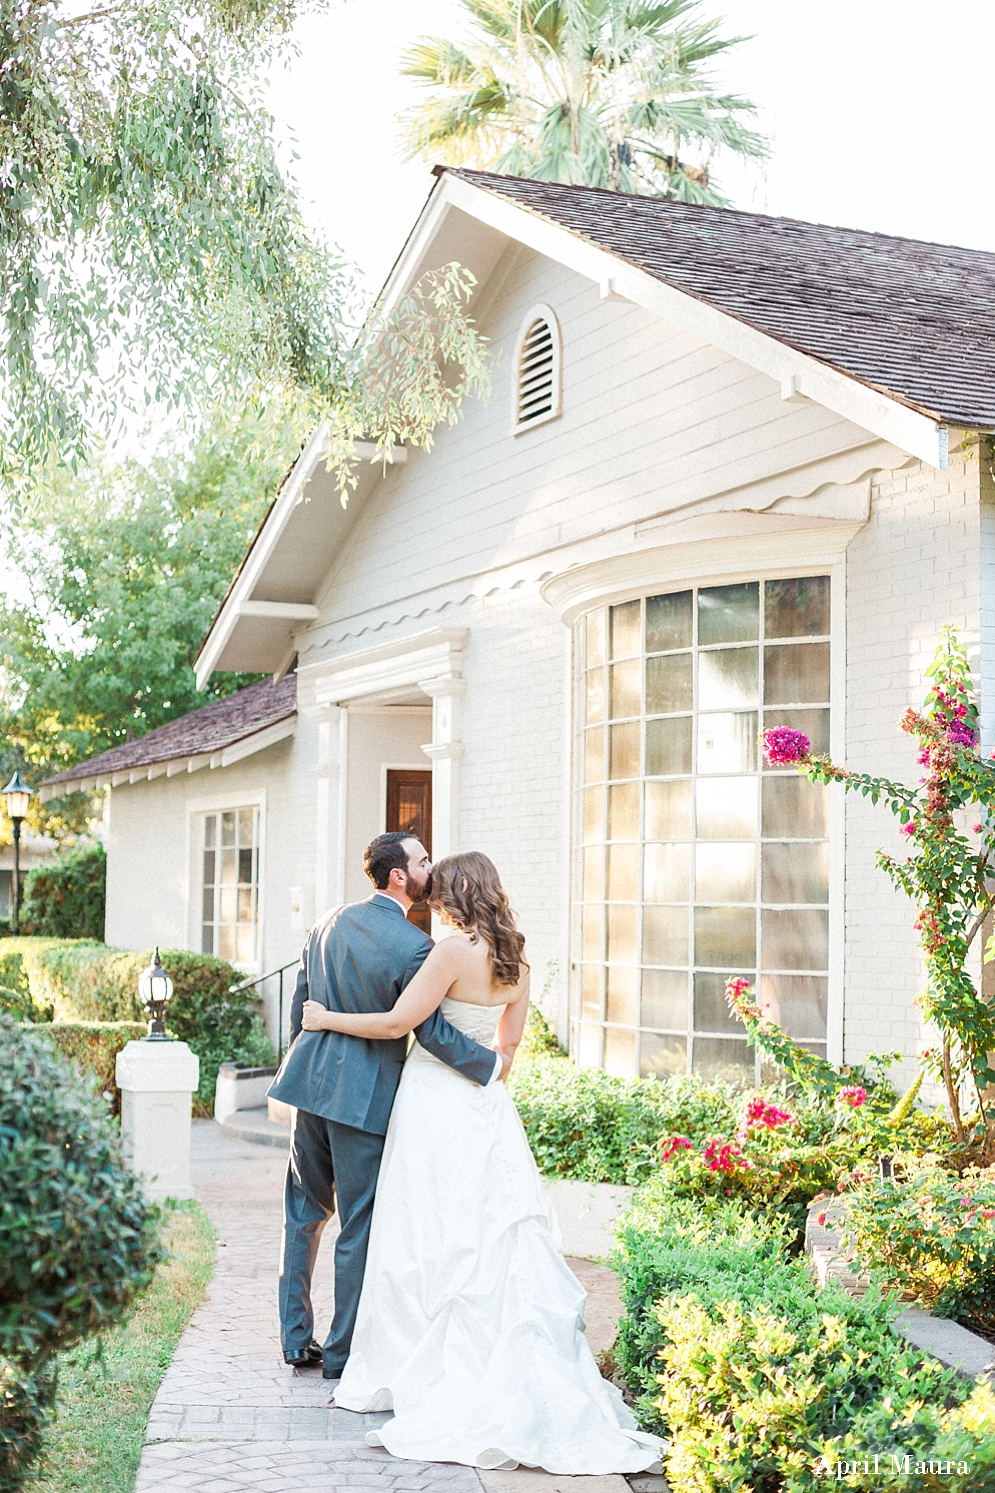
{"x": 67, "y": 897}
{"x": 75, "y": 980}
{"x": 93, "y": 1045}
{"x": 77, "y": 1238}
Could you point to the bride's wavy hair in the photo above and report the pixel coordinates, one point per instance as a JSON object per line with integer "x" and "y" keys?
{"x": 468, "y": 889}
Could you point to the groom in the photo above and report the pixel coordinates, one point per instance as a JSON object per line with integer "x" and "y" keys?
{"x": 357, "y": 958}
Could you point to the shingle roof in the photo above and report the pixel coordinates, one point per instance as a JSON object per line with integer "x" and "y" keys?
{"x": 212, "y": 728}
{"x": 914, "y": 319}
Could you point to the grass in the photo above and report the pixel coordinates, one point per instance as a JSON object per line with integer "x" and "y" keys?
{"x": 105, "y": 1390}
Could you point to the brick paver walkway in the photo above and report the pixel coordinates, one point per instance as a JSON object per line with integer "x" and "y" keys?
{"x": 230, "y": 1417}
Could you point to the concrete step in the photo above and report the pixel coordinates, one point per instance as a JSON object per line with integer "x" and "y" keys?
{"x": 256, "y": 1125}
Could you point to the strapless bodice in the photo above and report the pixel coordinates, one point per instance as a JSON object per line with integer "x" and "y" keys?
{"x": 478, "y": 1022}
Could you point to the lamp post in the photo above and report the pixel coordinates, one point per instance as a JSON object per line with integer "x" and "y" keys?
{"x": 16, "y": 794}
{"x": 155, "y": 988}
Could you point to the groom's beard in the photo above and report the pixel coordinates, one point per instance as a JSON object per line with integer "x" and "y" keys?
{"x": 417, "y": 888}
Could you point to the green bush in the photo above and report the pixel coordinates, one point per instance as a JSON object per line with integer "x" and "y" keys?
{"x": 931, "y": 1234}
{"x": 760, "y": 1381}
{"x": 77, "y": 1239}
{"x": 93, "y": 1045}
{"x": 83, "y": 981}
{"x": 67, "y": 897}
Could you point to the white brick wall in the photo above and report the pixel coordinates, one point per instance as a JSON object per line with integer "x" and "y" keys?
{"x": 912, "y": 569}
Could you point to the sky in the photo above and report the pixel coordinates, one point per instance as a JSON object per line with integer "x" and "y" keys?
{"x": 878, "y": 111}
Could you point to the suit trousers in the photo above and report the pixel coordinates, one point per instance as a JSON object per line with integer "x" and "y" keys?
{"x": 331, "y": 1166}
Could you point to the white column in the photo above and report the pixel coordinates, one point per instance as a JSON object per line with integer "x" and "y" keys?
{"x": 445, "y": 751}
{"x": 329, "y": 835}
{"x": 157, "y": 1080}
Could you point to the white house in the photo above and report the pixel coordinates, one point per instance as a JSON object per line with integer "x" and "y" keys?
{"x": 730, "y": 475}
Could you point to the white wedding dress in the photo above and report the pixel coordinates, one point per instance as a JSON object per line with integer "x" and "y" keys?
{"x": 470, "y": 1325}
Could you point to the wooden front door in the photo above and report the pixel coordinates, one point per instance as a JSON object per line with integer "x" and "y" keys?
{"x": 409, "y": 808}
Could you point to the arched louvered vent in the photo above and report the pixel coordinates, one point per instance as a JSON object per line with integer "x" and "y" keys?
{"x": 537, "y": 384}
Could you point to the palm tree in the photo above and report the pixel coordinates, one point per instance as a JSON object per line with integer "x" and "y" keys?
{"x": 601, "y": 93}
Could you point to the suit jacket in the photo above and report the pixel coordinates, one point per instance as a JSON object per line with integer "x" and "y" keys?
{"x": 359, "y": 958}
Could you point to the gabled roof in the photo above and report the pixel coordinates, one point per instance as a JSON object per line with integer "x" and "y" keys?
{"x": 914, "y": 319}
{"x": 215, "y": 735}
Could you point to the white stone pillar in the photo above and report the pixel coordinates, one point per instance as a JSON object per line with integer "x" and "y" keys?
{"x": 445, "y": 751}
{"x": 329, "y": 846}
{"x": 157, "y": 1080}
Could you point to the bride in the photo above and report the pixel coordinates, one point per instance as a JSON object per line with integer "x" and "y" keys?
{"x": 470, "y": 1324}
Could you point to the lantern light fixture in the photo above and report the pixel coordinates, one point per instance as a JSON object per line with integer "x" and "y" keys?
{"x": 17, "y": 796}
{"x": 155, "y": 988}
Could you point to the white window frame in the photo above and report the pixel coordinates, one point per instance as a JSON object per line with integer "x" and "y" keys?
{"x": 196, "y": 813}
{"x": 538, "y": 312}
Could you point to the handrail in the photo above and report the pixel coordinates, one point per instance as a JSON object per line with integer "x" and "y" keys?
{"x": 258, "y": 980}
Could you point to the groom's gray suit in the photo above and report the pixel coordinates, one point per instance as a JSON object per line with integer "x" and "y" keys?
{"x": 358, "y": 958}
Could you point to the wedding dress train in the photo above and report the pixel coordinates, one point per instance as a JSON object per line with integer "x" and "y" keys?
{"x": 470, "y": 1325}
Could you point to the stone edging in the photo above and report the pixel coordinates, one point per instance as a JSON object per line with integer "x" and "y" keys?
{"x": 972, "y": 1356}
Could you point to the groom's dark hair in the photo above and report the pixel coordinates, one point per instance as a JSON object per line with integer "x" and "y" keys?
{"x": 385, "y": 854}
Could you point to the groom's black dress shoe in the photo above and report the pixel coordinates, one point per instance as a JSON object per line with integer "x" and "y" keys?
{"x": 303, "y": 1358}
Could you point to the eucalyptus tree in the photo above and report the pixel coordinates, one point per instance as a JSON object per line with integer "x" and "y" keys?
{"x": 153, "y": 252}
{"x": 601, "y": 93}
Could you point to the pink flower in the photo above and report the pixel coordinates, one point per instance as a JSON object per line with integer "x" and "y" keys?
{"x": 988, "y": 1212}
{"x": 820, "y": 1219}
{"x": 978, "y": 828}
{"x": 671, "y": 1144}
{"x": 907, "y": 829}
{"x": 767, "y": 1115}
{"x": 782, "y": 746}
{"x": 725, "y": 1156}
{"x": 736, "y": 988}
{"x": 853, "y": 1095}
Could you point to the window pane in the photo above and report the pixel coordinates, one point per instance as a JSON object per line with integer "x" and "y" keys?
{"x": 726, "y": 937}
{"x": 797, "y": 1003}
{"x": 796, "y": 673}
{"x": 624, "y": 744}
{"x": 722, "y": 1059}
{"x": 668, "y": 683}
{"x": 727, "y": 743}
{"x": 797, "y": 609}
{"x": 797, "y": 872}
{"x": 622, "y": 1005}
{"x": 591, "y": 1040}
{"x": 625, "y": 630}
{"x": 623, "y": 812}
{"x": 668, "y": 747}
{"x": 711, "y": 1010}
{"x": 728, "y": 677}
{"x": 815, "y": 724}
{"x": 593, "y": 942}
{"x": 594, "y": 755}
{"x": 594, "y": 860}
{"x": 208, "y": 867}
{"x": 623, "y": 873}
{"x": 592, "y": 978}
{"x": 228, "y": 904}
{"x": 725, "y": 873}
{"x": 668, "y": 810}
{"x": 228, "y": 828}
{"x": 727, "y": 808}
{"x": 620, "y": 1053}
{"x": 595, "y": 638}
{"x": 226, "y": 942}
{"x": 207, "y": 911}
{"x": 245, "y": 943}
{"x": 245, "y": 826}
{"x": 210, "y": 830}
{"x": 207, "y": 940}
{"x": 665, "y": 935}
{"x": 667, "y": 873}
{"x": 622, "y": 940}
{"x": 659, "y": 1057}
{"x": 729, "y": 614}
{"x": 625, "y": 682}
{"x": 668, "y": 622}
{"x": 794, "y": 808}
{"x": 245, "y": 901}
{"x": 594, "y": 681}
{"x": 795, "y": 940}
{"x": 245, "y": 867}
{"x": 665, "y": 999}
{"x": 594, "y": 814}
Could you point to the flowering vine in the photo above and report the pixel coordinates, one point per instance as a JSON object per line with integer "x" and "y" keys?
{"x": 950, "y": 875}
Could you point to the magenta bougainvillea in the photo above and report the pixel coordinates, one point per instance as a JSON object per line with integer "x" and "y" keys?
{"x": 768, "y": 1116}
{"x": 853, "y": 1095}
{"x": 784, "y": 747}
{"x": 672, "y": 1144}
{"x": 725, "y": 1156}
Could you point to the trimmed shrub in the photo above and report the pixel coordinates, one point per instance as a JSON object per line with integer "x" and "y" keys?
{"x": 93, "y": 1045}
{"x": 77, "y": 1238}
{"x": 81, "y": 981}
{"x": 66, "y": 898}
{"x": 760, "y": 1381}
